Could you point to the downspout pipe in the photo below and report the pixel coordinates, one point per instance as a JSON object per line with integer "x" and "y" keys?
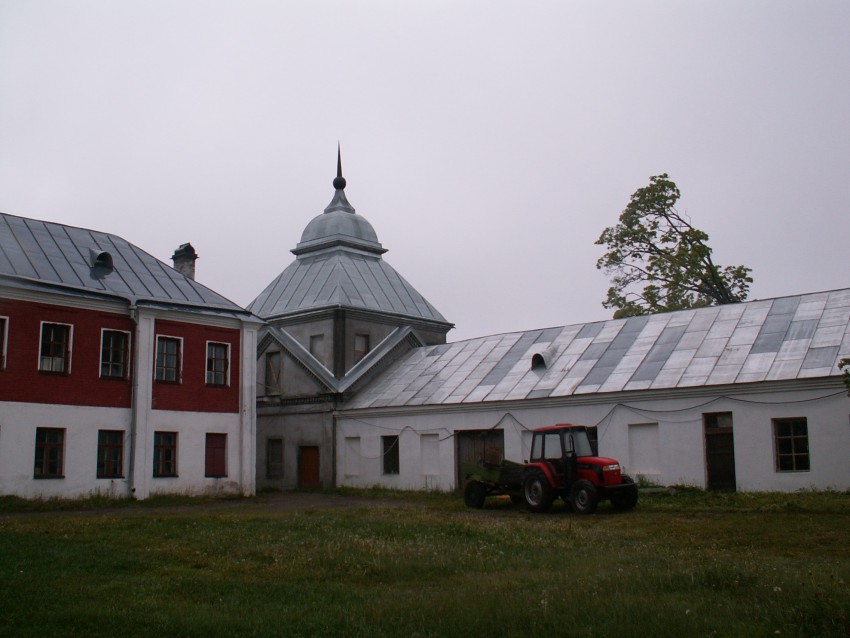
{"x": 134, "y": 402}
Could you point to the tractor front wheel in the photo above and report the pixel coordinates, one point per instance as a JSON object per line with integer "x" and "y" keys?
{"x": 584, "y": 497}
{"x": 474, "y": 494}
{"x": 537, "y": 492}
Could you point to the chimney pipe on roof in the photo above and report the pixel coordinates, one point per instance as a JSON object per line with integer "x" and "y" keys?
{"x": 184, "y": 260}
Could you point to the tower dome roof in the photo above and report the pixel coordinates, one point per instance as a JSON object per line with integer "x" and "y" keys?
{"x": 339, "y": 225}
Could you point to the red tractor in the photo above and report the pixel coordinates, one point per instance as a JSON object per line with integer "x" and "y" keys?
{"x": 563, "y": 463}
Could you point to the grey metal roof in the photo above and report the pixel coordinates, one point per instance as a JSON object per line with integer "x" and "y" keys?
{"x": 339, "y": 265}
{"x": 37, "y": 253}
{"x": 375, "y": 359}
{"x": 342, "y": 278}
{"x": 768, "y": 340}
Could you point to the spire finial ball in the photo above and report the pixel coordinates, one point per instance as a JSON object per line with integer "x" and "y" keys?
{"x": 339, "y": 182}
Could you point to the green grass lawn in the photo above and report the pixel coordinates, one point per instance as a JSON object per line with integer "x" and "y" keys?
{"x": 682, "y": 564}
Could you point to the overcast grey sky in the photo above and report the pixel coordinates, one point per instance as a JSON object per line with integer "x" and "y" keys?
{"x": 489, "y": 143}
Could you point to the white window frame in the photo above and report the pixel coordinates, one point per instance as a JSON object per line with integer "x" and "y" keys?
{"x": 127, "y": 363}
{"x": 70, "y": 326}
{"x": 226, "y": 383}
{"x": 4, "y": 342}
{"x": 179, "y": 379}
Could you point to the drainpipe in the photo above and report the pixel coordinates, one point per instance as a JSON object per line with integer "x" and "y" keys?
{"x": 134, "y": 400}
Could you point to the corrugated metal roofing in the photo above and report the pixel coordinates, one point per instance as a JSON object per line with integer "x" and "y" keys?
{"x": 38, "y": 252}
{"x": 768, "y": 340}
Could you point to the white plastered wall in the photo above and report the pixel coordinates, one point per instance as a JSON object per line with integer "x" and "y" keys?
{"x": 681, "y": 440}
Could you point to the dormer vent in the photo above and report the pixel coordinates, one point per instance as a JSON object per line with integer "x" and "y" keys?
{"x": 543, "y": 359}
{"x": 100, "y": 259}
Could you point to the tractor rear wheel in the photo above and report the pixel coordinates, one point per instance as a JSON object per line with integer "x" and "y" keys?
{"x": 474, "y": 494}
{"x": 584, "y": 496}
{"x": 537, "y": 492}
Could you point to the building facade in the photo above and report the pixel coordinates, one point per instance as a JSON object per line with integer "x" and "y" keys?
{"x": 336, "y": 317}
{"x": 741, "y": 397}
{"x": 118, "y": 375}
{"x": 358, "y": 387}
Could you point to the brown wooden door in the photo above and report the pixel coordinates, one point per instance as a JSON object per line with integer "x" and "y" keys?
{"x": 475, "y": 445}
{"x": 308, "y": 466}
{"x": 719, "y": 452}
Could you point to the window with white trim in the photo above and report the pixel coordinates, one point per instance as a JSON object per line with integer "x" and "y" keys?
{"x": 55, "y": 351}
{"x": 169, "y": 359}
{"x": 218, "y": 363}
{"x": 114, "y": 354}
{"x": 4, "y": 334}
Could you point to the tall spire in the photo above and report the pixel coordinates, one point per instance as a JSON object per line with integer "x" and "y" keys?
{"x": 339, "y": 180}
{"x": 339, "y": 201}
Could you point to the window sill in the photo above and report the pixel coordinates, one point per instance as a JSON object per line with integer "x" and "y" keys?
{"x": 48, "y": 478}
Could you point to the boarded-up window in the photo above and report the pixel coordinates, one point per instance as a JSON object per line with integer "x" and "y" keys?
{"x": 644, "y": 456}
{"x": 274, "y": 458}
{"x": 216, "y": 457}
{"x": 273, "y": 373}
{"x": 361, "y": 346}
{"x": 317, "y": 346}
{"x": 352, "y": 456}
{"x": 430, "y": 454}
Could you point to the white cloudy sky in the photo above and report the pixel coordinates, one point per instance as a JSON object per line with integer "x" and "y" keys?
{"x": 488, "y": 142}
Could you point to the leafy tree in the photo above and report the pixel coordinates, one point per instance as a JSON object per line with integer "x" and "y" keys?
{"x": 656, "y": 247}
{"x": 844, "y": 366}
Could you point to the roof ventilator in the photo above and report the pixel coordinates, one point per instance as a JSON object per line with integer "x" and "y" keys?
{"x": 543, "y": 359}
{"x": 100, "y": 259}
